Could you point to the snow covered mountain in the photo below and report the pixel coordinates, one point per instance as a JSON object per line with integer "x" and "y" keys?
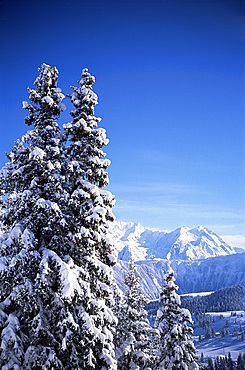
{"x": 202, "y": 261}
{"x": 182, "y": 244}
{"x": 206, "y": 275}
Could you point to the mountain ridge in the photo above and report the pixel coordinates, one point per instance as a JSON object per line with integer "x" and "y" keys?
{"x": 201, "y": 260}
{"x": 184, "y": 243}
{"x": 204, "y": 275}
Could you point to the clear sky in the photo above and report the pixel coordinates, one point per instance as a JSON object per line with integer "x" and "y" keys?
{"x": 170, "y": 80}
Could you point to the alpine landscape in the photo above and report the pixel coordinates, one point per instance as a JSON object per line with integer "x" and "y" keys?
{"x": 210, "y": 275}
{"x": 122, "y": 198}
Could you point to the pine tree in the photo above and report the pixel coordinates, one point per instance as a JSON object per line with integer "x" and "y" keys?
{"x": 240, "y": 363}
{"x": 55, "y": 278}
{"x": 230, "y": 364}
{"x": 223, "y": 363}
{"x": 134, "y": 340}
{"x": 177, "y": 350}
{"x": 216, "y": 363}
{"x": 207, "y": 331}
{"x": 32, "y": 185}
{"x": 89, "y": 211}
{"x": 210, "y": 365}
{"x": 222, "y": 331}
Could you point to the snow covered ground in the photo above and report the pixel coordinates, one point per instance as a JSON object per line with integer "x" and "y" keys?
{"x": 232, "y": 340}
{"x": 200, "y": 294}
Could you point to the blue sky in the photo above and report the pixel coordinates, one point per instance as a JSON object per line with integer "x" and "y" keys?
{"x": 170, "y": 80}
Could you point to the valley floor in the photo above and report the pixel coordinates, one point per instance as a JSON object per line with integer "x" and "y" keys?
{"x": 227, "y": 331}
{"x": 224, "y": 332}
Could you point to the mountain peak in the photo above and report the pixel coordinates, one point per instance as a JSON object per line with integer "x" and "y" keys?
{"x": 184, "y": 243}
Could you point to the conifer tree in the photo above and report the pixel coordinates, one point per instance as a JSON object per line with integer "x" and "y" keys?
{"x": 32, "y": 186}
{"x": 55, "y": 271}
{"x": 89, "y": 212}
{"x": 177, "y": 350}
{"x": 134, "y": 338}
{"x": 210, "y": 365}
{"x": 230, "y": 364}
{"x": 240, "y": 363}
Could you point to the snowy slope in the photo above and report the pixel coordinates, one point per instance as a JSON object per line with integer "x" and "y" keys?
{"x": 182, "y": 244}
{"x": 220, "y": 345}
{"x": 192, "y": 276}
{"x": 202, "y": 261}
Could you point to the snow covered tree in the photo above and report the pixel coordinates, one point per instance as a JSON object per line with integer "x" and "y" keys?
{"x": 240, "y": 363}
{"x": 177, "y": 350}
{"x": 89, "y": 212}
{"x": 55, "y": 273}
{"x": 134, "y": 339}
{"x": 210, "y": 365}
{"x": 32, "y": 187}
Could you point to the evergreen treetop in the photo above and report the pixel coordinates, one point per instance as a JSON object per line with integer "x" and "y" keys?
{"x": 134, "y": 339}
{"x": 177, "y": 350}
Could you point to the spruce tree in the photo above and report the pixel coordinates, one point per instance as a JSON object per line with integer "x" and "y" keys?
{"x": 177, "y": 350}
{"x": 89, "y": 211}
{"x": 240, "y": 363}
{"x": 210, "y": 365}
{"x": 32, "y": 187}
{"x": 230, "y": 363}
{"x": 51, "y": 264}
{"x": 134, "y": 340}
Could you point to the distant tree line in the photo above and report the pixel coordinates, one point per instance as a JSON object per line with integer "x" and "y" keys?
{"x": 224, "y": 363}
{"x": 226, "y": 299}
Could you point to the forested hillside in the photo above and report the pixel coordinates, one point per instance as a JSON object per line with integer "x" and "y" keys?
{"x": 227, "y": 299}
